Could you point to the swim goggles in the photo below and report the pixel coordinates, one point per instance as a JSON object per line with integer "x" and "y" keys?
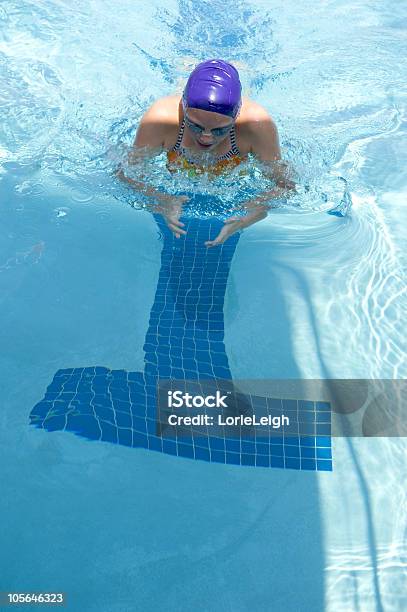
{"x": 198, "y": 129}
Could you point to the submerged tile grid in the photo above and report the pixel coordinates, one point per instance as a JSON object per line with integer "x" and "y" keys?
{"x": 185, "y": 338}
{"x": 184, "y": 341}
{"x": 120, "y": 407}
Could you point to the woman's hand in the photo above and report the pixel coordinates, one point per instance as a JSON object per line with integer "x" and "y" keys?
{"x": 236, "y": 224}
{"x": 230, "y": 227}
{"x": 170, "y": 207}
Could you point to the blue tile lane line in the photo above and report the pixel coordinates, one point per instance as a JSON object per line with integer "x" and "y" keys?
{"x": 184, "y": 341}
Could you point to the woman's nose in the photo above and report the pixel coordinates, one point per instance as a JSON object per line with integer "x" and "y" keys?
{"x": 206, "y": 134}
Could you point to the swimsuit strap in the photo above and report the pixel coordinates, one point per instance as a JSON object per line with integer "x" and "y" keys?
{"x": 234, "y": 149}
{"x": 179, "y": 138}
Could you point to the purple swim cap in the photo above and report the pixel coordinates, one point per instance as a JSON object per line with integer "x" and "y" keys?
{"x": 214, "y": 86}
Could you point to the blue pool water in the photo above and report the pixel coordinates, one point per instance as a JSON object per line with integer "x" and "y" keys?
{"x": 303, "y": 294}
{"x": 184, "y": 342}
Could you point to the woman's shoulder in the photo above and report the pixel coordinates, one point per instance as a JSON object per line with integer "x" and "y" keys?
{"x": 159, "y": 124}
{"x": 252, "y": 112}
{"x": 164, "y": 110}
{"x": 253, "y": 124}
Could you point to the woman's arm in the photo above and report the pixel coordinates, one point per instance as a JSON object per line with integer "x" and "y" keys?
{"x": 150, "y": 139}
{"x": 154, "y": 129}
{"x": 265, "y": 145}
{"x": 261, "y": 131}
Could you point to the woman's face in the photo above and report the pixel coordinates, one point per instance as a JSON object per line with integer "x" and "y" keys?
{"x": 207, "y": 129}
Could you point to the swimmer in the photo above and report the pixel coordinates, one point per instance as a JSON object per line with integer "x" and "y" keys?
{"x": 211, "y": 129}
